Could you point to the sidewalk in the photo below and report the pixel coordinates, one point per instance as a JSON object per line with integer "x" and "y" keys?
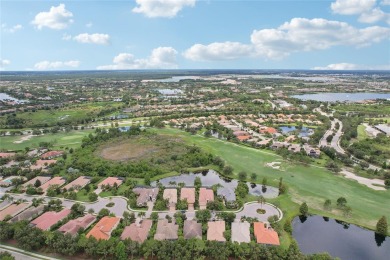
{"x": 24, "y": 255}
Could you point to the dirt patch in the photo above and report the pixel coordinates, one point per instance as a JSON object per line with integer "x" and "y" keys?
{"x": 139, "y": 147}
{"x": 375, "y": 184}
{"x": 24, "y": 138}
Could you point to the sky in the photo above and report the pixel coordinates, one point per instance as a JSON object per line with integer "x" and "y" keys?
{"x": 194, "y": 34}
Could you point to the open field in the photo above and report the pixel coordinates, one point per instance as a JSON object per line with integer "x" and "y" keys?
{"x": 362, "y": 134}
{"x": 306, "y": 183}
{"x": 59, "y": 140}
{"x": 73, "y": 113}
{"x": 140, "y": 147}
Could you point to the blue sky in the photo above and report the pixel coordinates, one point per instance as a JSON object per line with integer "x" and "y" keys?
{"x": 193, "y": 34}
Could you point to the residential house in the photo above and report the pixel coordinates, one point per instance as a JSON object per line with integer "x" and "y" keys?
{"x": 28, "y": 214}
{"x": 51, "y": 155}
{"x": 58, "y": 181}
{"x": 171, "y": 196}
{"x": 7, "y": 155}
{"x": 166, "y": 230}
{"x": 295, "y": 148}
{"x": 215, "y": 230}
{"x": 104, "y": 228}
{"x": 265, "y": 235}
{"x": 205, "y": 195}
{"x": 42, "y": 164}
{"x": 12, "y": 210}
{"x": 49, "y": 219}
{"x": 7, "y": 181}
{"x": 74, "y": 225}
{"x": 241, "y": 232}
{"x": 189, "y": 195}
{"x": 78, "y": 183}
{"x": 41, "y": 179}
{"x": 110, "y": 181}
{"x": 228, "y": 194}
{"x": 145, "y": 195}
{"x": 192, "y": 229}
{"x": 278, "y": 145}
{"x": 312, "y": 151}
{"x": 137, "y": 232}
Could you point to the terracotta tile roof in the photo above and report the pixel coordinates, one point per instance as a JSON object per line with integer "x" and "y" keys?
{"x": 74, "y": 225}
{"x": 6, "y": 155}
{"x": 189, "y": 194}
{"x": 51, "y": 154}
{"x": 205, "y": 195}
{"x": 110, "y": 181}
{"x": 40, "y": 164}
{"x": 28, "y": 214}
{"x": 166, "y": 231}
{"x": 170, "y": 195}
{"x": 192, "y": 229}
{"x": 13, "y": 210}
{"x": 137, "y": 232}
{"x": 48, "y": 219}
{"x": 42, "y": 179}
{"x": 103, "y": 229}
{"x": 215, "y": 231}
{"x": 145, "y": 195}
{"x": 55, "y": 181}
{"x": 265, "y": 235}
{"x": 240, "y": 232}
{"x": 244, "y": 137}
{"x": 78, "y": 183}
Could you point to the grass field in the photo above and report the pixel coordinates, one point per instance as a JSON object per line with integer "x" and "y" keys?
{"x": 362, "y": 134}
{"x": 311, "y": 184}
{"x": 60, "y": 140}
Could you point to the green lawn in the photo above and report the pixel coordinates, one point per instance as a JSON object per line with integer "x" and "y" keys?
{"x": 362, "y": 134}
{"x": 306, "y": 183}
{"x": 60, "y": 140}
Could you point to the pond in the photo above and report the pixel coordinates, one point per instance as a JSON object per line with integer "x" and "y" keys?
{"x": 333, "y": 97}
{"x": 210, "y": 178}
{"x": 305, "y": 131}
{"x": 317, "y": 234}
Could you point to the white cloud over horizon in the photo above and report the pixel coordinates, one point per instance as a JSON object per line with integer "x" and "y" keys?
{"x": 161, "y": 8}
{"x": 11, "y": 29}
{"x": 95, "y": 38}
{"x": 352, "y": 66}
{"x": 4, "y": 63}
{"x": 160, "y": 58}
{"x": 368, "y": 10}
{"x": 57, "y": 18}
{"x": 297, "y": 35}
{"x": 56, "y": 65}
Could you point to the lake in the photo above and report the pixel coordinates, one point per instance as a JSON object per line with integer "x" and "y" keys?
{"x": 210, "y": 178}
{"x": 305, "y": 131}
{"x": 333, "y": 97}
{"x": 317, "y": 234}
{"x": 176, "y": 79}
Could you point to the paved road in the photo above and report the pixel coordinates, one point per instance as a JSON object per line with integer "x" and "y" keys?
{"x": 250, "y": 210}
{"x": 20, "y": 254}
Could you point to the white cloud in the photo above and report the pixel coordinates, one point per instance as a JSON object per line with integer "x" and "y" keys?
{"x": 368, "y": 10}
{"x": 349, "y": 7}
{"x": 56, "y": 65}
{"x": 351, "y": 66}
{"x": 160, "y": 58}
{"x": 218, "y": 51}
{"x": 66, "y": 37}
{"x": 4, "y": 63}
{"x": 12, "y": 29}
{"x": 96, "y": 38}
{"x": 57, "y": 18}
{"x": 161, "y": 8}
{"x": 301, "y": 34}
{"x": 89, "y": 25}
{"x": 298, "y": 35}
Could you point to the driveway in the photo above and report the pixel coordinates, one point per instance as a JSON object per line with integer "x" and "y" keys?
{"x": 250, "y": 210}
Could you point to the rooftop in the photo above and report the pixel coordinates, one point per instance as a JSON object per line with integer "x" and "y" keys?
{"x": 188, "y": 194}
{"x": 240, "y": 232}
{"x": 74, "y": 225}
{"x": 166, "y": 230}
{"x": 265, "y": 235}
{"x": 215, "y": 231}
{"x": 137, "y": 232}
{"x": 50, "y": 218}
{"x": 103, "y": 229}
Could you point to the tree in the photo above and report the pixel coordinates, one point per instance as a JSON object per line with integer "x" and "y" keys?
{"x": 287, "y": 226}
{"x": 253, "y": 176}
{"x": 242, "y": 175}
{"x": 4, "y": 255}
{"x": 203, "y": 215}
{"x": 341, "y": 202}
{"x": 120, "y": 251}
{"x": 227, "y": 170}
{"x": 328, "y": 204}
{"x": 77, "y": 210}
{"x": 304, "y": 209}
{"x": 293, "y": 252}
{"x": 242, "y": 190}
{"x": 261, "y": 200}
{"x": 37, "y": 183}
{"x": 103, "y": 212}
{"x": 381, "y": 226}
{"x": 92, "y": 196}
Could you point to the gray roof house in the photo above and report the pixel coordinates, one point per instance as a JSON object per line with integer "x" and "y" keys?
{"x": 192, "y": 229}
{"x": 240, "y": 232}
{"x": 166, "y": 230}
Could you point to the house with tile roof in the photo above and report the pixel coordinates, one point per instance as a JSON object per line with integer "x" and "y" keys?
{"x": 104, "y": 228}
{"x": 42, "y": 164}
{"x": 215, "y": 230}
{"x": 205, "y": 195}
{"x": 192, "y": 229}
{"x": 241, "y": 232}
{"x": 78, "y": 183}
{"x": 265, "y": 235}
{"x": 137, "y": 232}
{"x": 12, "y": 210}
{"x": 166, "y": 230}
{"x": 51, "y": 155}
{"x": 171, "y": 196}
{"x": 28, "y": 214}
{"x": 59, "y": 181}
{"x": 49, "y": 219}
{"x": 42, "y": 180}
{"x": 188, "y": 194}
{"x": 74, "y": 225}
{"x": 145, "y": 195}
{"x": 110, "y": 181}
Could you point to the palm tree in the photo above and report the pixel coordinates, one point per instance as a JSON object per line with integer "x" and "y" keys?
{"x": 261, "y": 200}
